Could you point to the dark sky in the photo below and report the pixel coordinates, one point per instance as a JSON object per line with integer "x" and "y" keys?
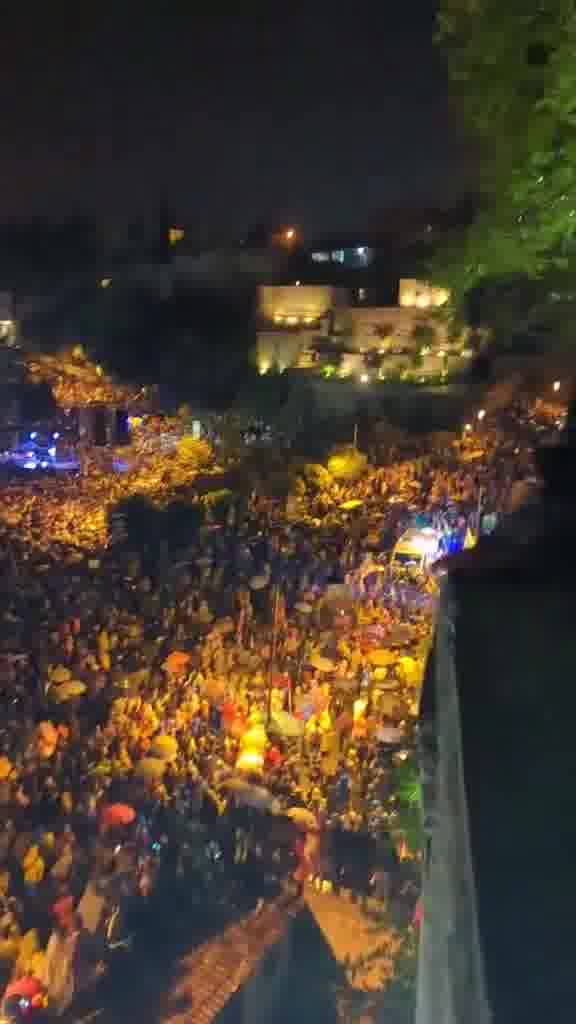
{"x": 317, "y": 118}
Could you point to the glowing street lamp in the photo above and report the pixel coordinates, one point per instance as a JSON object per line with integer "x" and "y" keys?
{"x": 481, "y": 414}
{"x": 556, "y": 385}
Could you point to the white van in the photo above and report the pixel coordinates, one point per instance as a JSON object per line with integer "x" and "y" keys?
{"x": 416, "y": 549}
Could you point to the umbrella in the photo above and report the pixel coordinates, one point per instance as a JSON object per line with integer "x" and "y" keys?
{"x": 235, "y": 785}
{"x": 303, "y": 608}
{"x": 176, "y": 661}
{"x": 150, "y": 768}
{"x": 255, "y": 796}
{"x": 164, "y": 747}
{"x": 23, "y": 988}
{"x": 321, "y": 664}
{"x": 60, "y": 674}
{"x": 255, "y": 738}
{"x": 67, "y": 691}
{"x": 287, "y": 725}
{"x": 381, "y": 657}
{"x": 259, "y": 582}
{"x": 303, "y": 819}
{"x": 115, "y": 815}
{"x": 214, "y": 689}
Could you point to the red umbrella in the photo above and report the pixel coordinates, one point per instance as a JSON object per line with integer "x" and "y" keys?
{"x": 23, "y": 988}
{"x": 114, "y": 815}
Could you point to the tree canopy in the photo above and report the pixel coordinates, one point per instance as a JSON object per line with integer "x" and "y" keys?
{"x": 514, "y": 80}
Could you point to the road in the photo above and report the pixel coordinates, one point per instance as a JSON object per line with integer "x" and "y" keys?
{"x": 186, "y": 965}
{"x": 190, "y": 962}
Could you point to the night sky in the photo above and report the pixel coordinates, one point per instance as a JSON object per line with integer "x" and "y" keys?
{"x": 228, "y": 119}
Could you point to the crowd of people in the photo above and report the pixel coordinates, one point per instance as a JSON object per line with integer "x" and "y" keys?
{"x": 269, "y": 676}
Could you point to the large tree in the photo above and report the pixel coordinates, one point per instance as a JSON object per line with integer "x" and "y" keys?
{"x": 514, "y": 80}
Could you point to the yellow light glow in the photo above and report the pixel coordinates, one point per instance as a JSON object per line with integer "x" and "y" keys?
{"x": 481, "y": 414}
{"x": 278, "y": 319}
{"x": 175, "y": 235}
{"x": 556, "y": 385}
{"x": 360, "y": 706}
{"x": 289, "y": 234}
{"x": 423, "y": 301}
{"x": 105, "y": 282}
{"x": 308, "y": 319}
{"x": 364, "y": 378}
{"x": 263, "y": 368}
{"x": 250, "y": 761}
{"x": 408, "y": 299}
{"x": 441, "y": 353}
{"x": 292, "y": 320}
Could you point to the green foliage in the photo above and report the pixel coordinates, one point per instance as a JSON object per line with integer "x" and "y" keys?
{"x": 409, "y": 793}
{"x": 514, "y": 80}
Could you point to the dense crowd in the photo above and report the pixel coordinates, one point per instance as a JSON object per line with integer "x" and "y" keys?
{"x": 265, "y": 682}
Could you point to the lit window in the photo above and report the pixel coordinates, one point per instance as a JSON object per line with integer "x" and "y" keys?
{"x": 175, "y": 235}
{"x": 320, "y": 257}
{"x": 338, "y": 256}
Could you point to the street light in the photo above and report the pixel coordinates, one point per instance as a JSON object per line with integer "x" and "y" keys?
{"x": 481, "y": 414}
{"x": 556, "y": 385}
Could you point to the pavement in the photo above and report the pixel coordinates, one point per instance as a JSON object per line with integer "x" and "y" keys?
{"x": 186, "y": 964}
